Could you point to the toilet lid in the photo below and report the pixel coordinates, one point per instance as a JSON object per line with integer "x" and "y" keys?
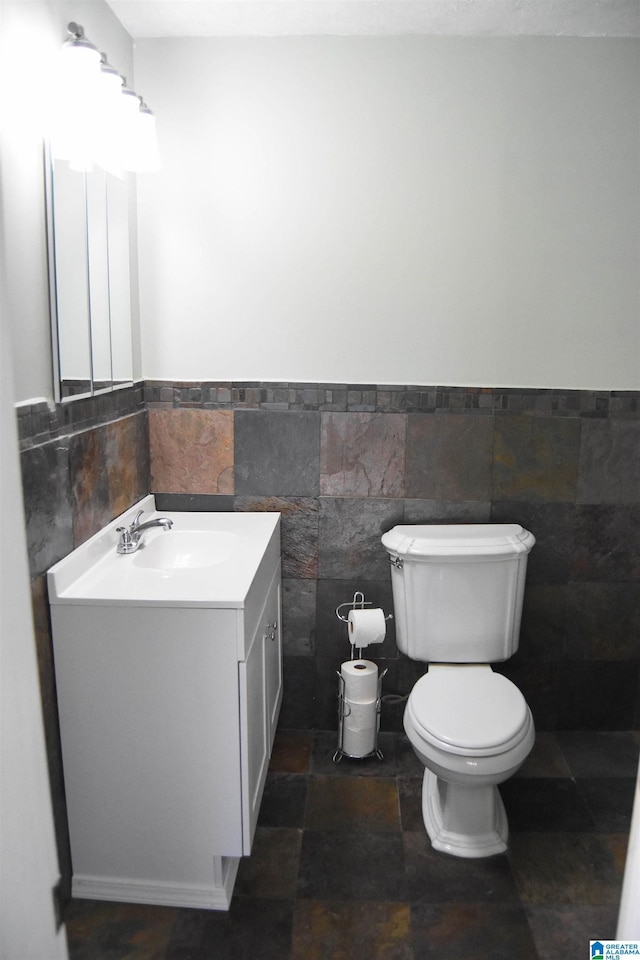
{"x": 469, "y": 707}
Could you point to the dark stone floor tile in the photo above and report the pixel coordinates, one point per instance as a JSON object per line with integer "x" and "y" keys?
{"x": 556, "y": 869}
{"x": 410, "y": 793}
{"x": 272, "y": 868}
{"x": 352, "y": 865}
{"x": 561, "y": 933}
{"x": 471, "y": 931}
{"x": 291, "y": 751}
{"x": 610, "y": 801}
{"x": 325, "y": 743}
{"x": 352, "y": 803}
{"x": 112, "y": 931}
{"x": 407, "y": 763}
{"x": 600, "y": 754}
{"x": 283, "y": 801}
{"x": 349, "y": 929}
{"x": 435, "y": 877}
{"x": 250, "y": 930}
{"x": 544, "y": 805}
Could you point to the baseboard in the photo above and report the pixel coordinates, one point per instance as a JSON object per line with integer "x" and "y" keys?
{"x": 200, "y": 896}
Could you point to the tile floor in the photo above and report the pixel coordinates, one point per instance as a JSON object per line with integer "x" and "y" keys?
{"x": 342, "y": 867}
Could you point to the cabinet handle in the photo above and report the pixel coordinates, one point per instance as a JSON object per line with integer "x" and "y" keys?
{"x": 272, "y": 626}
{"x": 270, "y": 636}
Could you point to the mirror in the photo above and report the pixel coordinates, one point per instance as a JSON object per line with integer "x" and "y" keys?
{"x": 89, "y": 281}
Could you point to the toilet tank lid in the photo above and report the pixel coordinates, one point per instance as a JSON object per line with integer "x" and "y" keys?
{"x": 458, "y": 539}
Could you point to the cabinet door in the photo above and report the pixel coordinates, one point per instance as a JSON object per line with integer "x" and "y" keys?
{"x": 273, "y": 661}
{"x": 260, "y": 697}
{"x": 254, "y": 741}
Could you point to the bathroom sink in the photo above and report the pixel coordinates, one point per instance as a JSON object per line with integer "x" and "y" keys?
{"x": 204, "y": 560}
{"x": 186, "y": 549}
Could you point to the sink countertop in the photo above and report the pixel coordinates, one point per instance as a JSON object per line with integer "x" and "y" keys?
{"x": 95, "y": 573}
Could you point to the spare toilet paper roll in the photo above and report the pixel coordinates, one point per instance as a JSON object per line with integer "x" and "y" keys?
{"x": 360, "y": 681}
{"x": 359, "y": 728}
{"x": 366, "y": 626}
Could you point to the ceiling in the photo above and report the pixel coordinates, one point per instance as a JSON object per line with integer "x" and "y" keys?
{"x": 220, "y": 18}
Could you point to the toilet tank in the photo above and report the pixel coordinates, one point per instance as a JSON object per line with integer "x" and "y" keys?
{"x": 458, "y": 589}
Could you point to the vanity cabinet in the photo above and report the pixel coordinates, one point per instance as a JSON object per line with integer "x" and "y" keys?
{"x": 168, "y": 712}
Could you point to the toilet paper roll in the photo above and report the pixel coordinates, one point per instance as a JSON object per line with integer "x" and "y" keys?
{"x": 359, "y": 728}
{"x": 366, "y": 627}
{"x": 360, "y": 681}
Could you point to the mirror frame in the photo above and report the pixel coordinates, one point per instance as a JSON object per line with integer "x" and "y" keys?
{"x": 84, "y": 269}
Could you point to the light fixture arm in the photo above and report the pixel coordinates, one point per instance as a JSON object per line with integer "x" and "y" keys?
{"x": 77, "y": 37}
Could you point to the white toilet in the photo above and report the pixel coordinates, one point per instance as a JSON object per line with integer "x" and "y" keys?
{"x": 457, "y": 593}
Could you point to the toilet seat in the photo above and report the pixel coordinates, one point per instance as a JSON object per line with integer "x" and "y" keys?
{"x": 468, "y": 710}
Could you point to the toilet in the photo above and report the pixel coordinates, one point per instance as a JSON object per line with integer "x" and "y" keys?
{"x": 457, "y": 594}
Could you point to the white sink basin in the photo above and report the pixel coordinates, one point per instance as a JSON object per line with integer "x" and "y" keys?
{"x": 186, "y": 549}
{"x": 205, "y": 560}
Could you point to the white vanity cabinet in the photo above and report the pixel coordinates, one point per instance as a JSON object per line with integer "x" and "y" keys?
{"x": 168, "y": 711}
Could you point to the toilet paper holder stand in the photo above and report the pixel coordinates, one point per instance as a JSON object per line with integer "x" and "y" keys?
{"x": 357, "y": 603}
{"x": 344, "y": 710}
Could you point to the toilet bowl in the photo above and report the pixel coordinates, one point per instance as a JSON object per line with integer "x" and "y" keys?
{"x": 472, "y": 729}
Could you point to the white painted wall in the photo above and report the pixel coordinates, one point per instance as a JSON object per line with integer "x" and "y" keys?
{"x": 393, "y": 210}
{"x": 28, "y": 856}
{"x": 31, "y": 33}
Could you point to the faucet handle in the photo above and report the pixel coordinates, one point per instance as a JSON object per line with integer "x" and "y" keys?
{"x": 136, "y": 518}
{"x": 128, "y": 541}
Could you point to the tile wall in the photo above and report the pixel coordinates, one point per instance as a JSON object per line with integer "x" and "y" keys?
{"x": 345, "y": 463}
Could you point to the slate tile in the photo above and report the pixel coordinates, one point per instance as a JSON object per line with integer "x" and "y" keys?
{"x": 562, "y": 932}
{"x": 482, "y": 931}
{"x": 362, "y": 455}
{"x": 352, "y": 865}
{"x": 349, "y": 537}
{"x": 259, "y": 929}
{"x": 600, "y": 753}
{"x": 277, "y": 454}
{"x": 607, "y": 543}
{"x": 554, "y": 869}
{"x": 191, "y": 450}
{"x": 535, "y": 458}
{"x": 449, "y": 458}
{"x": 436, "y": 877}
{"x": 338, "y": 929}
{"x": 609, "y": 461}
{"x": 47, "y": 504}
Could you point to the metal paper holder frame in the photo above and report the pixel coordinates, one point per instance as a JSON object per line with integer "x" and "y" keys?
{"x": 343, "y": 707}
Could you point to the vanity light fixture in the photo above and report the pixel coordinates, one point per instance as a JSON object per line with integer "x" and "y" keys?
{"x": 97, "y": 117}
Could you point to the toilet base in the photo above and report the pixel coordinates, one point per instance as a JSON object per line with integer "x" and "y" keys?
{"x": 465, "y": 821}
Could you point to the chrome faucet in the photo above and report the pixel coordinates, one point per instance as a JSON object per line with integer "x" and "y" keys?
{"x": 130, "y": 539}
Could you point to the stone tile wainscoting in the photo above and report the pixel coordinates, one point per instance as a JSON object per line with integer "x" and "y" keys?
{"x": 345, "y": 463}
